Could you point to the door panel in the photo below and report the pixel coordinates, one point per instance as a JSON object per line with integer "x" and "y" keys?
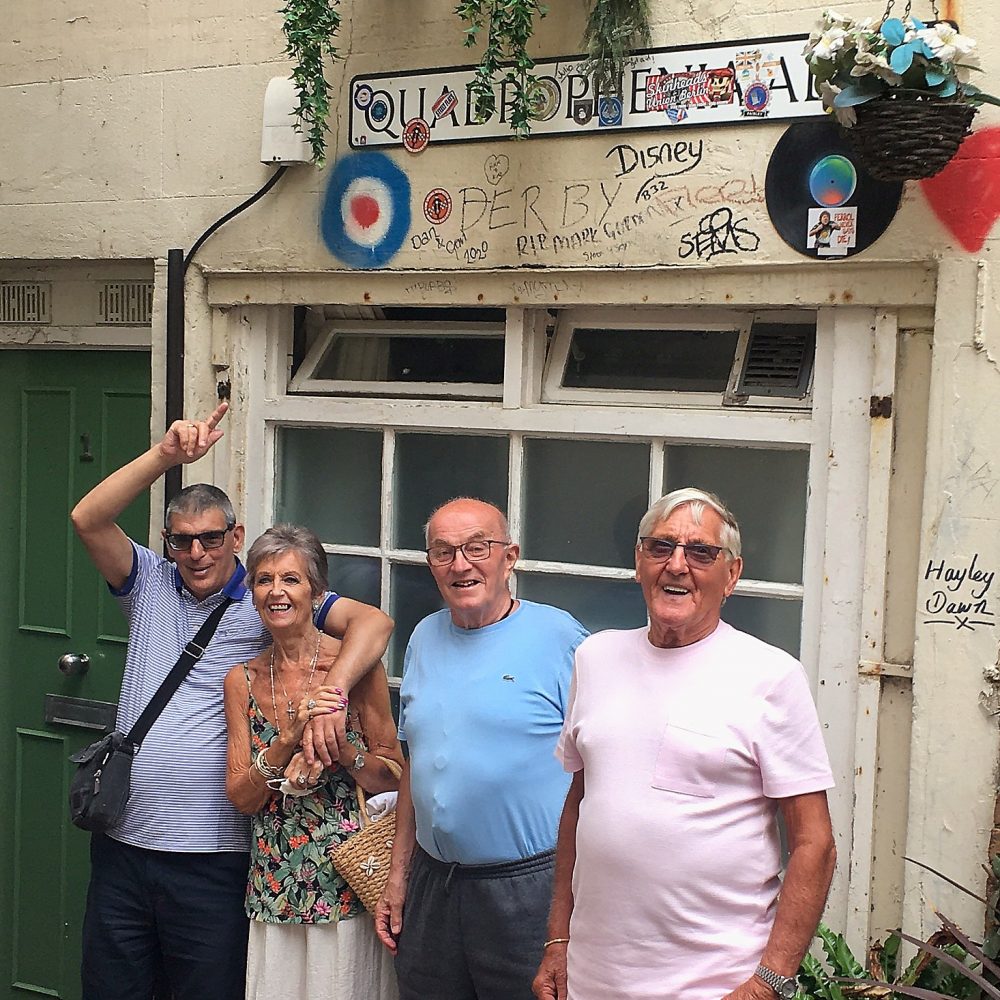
{"x": 70, "y": 418}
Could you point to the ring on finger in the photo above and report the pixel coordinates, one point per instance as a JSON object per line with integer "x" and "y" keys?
{"x": 311, "y": 703}
{"x": 301, "y": 781}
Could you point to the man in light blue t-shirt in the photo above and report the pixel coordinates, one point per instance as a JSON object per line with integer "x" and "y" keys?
{"x": 485, "y": 687}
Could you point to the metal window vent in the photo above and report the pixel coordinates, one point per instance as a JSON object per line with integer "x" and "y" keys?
{"x": 125, "y": 303}
{"x": 778, "y": 361}
{"x": 25, "y": 302}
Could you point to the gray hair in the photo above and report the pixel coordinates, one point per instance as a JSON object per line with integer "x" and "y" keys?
{"x": 697, "y": 500}
{"x": 197, "y": 499}
{"x": 284, "y": 538}
{"x": 504, "y": 526}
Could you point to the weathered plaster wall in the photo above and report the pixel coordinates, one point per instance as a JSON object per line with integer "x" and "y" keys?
{"x": 954, "y": 744}
{"x": 130, "y": 130}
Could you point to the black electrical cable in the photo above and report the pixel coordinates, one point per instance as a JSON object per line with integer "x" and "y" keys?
{"x": 219, "y": 223}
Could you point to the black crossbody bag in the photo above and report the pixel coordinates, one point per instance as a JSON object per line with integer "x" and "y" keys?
{"x": 101, "y": 784}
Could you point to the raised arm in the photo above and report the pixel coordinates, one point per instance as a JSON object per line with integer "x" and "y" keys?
{"x": 550, "y": 981}
{"x": 94, "y": 517}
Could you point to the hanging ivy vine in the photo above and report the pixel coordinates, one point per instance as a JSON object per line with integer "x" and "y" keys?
{"x": 310, "y": 28}
{"x": 615, "y": 29}
{"x": 508, "y": 25}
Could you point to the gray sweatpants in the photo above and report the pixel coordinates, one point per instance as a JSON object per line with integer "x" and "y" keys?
{"x": 473, "y": 932}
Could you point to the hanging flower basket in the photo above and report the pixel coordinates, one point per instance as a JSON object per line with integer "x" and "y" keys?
{"x": 899, "y": 88}
{"x": 905, "y": 135}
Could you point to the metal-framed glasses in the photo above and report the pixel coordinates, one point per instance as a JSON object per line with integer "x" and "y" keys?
{"x": 696, "y": 553}
{"x": 208, "y": 539}
{"x": 475, "y": 551}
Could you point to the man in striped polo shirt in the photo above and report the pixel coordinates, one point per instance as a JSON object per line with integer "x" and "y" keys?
{"x": 168, "y": 882}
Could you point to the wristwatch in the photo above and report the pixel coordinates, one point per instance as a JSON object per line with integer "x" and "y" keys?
{"x": 785, "y": 987}
{"x": 359, "y": 762}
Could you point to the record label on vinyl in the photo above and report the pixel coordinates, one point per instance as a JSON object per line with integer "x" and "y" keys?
{"x": 821, "y": 200}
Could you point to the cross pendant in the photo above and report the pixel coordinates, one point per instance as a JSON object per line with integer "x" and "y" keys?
{"x": 290, "y": 712}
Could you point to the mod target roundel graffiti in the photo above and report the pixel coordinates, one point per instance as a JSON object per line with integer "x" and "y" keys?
{"x": 366, "y": 211}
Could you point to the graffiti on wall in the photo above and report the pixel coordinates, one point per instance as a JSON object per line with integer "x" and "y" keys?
{"x": 959, "y": 594}
{"x": 965, "y": 196}
{"x": 365, "y": 216}
{"x": 669, "y": 197}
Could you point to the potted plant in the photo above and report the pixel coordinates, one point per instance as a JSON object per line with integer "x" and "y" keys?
{"x": 900, "y": 88}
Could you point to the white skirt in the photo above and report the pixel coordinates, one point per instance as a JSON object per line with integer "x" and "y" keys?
{"x": 342, "y": 960}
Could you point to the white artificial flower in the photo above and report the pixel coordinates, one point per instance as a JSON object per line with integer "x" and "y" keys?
{"x": 946, "y": 43}
{"x": 832, "y": 19}
{"x": 873, "y": 64}
{"x": 829, "y": 43}
{"x": 845, "y": 116}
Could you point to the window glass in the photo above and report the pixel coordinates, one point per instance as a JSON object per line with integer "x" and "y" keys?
{"x": 414, "y": 596}
{"x": 385, "y": 357}
{"x": 775, "y": 621}
{"x": 357, "y": 577}
{"x": 583, "y": 500}
{"x": 330, "y": 481}
{"x": 765, "y": 489}
{"x": 598, "y": 604}
{"x": 663, "y": 360}
{"x": 434, "y": 468}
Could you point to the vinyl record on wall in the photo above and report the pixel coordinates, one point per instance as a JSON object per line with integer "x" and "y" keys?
{"x": 821, "y": 200}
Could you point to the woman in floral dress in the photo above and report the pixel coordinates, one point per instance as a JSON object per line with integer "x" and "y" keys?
{"x": 310, "y": 937}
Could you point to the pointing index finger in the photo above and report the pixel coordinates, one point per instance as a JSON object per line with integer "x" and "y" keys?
{"x": 217, "y": 414}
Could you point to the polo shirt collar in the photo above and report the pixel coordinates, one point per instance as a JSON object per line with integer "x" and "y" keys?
{"x": 234, "y": 588}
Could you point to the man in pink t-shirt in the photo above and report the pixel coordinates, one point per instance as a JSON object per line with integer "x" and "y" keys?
{"x": 685, "y": 740}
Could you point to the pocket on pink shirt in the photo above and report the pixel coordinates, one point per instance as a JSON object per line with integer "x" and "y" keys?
{"x": 688, "y": 762}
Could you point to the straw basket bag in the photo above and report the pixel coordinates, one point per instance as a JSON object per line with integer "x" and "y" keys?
{"x": 363, "y": 859}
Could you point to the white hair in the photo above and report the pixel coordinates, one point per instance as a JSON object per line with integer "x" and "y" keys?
{"x": 697, "y": 500}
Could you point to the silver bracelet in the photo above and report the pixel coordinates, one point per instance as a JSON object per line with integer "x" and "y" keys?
{"x": 269, "y": 771}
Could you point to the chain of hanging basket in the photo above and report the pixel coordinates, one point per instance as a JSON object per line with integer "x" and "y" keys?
{"x": 907, "y": 134}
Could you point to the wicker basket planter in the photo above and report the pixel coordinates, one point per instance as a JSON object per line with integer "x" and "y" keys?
{"x": 905, "y": 135}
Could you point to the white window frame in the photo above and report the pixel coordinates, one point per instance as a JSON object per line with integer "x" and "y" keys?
{"x": 723, "y": 321}
{"x": 305, "y": 380}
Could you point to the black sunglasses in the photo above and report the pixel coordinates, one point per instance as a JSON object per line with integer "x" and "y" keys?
{"x": 209, "y": 539}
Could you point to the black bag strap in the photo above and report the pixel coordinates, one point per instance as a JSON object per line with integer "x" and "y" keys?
{"x": 190, "y": 655}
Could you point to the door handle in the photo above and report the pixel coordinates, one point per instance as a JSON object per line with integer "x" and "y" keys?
{"x": 74, "y": 664}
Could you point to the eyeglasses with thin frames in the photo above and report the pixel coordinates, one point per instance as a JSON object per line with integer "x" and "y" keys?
{"x": 209, "y": 539}
{"x": 476, "y": 550}
{"x": 696, "y": 553}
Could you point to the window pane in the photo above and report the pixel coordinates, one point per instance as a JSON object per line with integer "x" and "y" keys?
{"x": 583, "y": 500}
{"x": 766, "y": 490}
{"x": 360, "y": 357}
{"x": 664, "y": 360}
{"x": 434, "y": 468}
{"x": 330, "y": 481}
{"x": 357, "y": 577}
{"x": 773, "y": 621}
{"x": 414, "y": 596}
{"x": 598, "y": 604}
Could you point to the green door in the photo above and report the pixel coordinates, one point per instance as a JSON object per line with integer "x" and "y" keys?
{"x": 67, "y": 420}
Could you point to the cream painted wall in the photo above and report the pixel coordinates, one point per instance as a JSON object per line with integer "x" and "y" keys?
{"x": 130, "y": 131}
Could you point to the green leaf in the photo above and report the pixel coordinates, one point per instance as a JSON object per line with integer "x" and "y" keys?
{"x": 838, "y": 953}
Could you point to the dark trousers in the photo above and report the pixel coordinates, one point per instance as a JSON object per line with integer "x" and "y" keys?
{"x": 167, "y": 920}
{"x": 473, "y": 932}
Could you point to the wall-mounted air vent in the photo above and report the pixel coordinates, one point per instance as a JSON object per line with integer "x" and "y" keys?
{"x": 125, "y": 303}
{"x": 25, "y": 302}
{"x": 778, "y": 361}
